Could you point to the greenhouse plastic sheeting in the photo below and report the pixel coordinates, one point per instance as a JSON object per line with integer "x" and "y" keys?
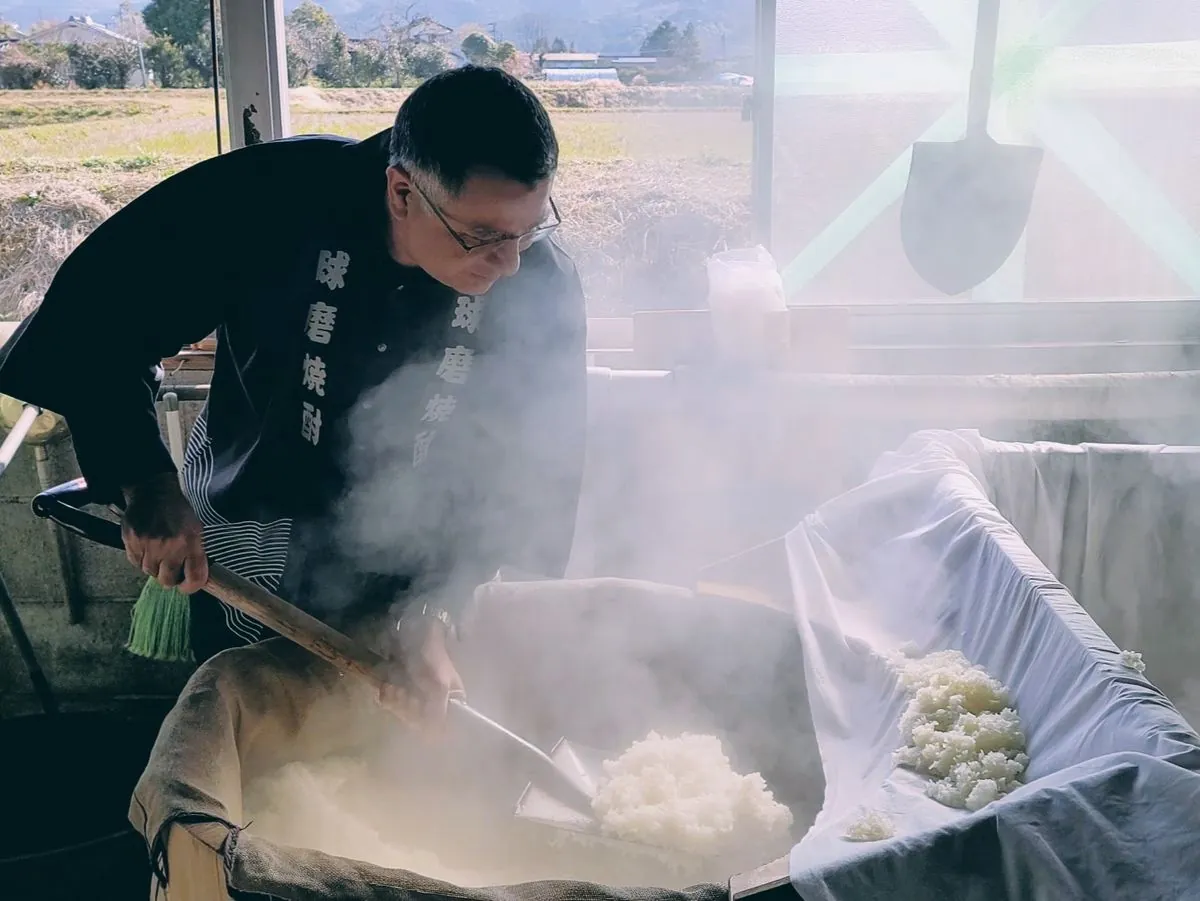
{"x": 920, "y": 554}
{"x": 602, "y": 661}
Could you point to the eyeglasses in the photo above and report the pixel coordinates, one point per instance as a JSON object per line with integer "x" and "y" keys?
{"x": 469, "y": 243}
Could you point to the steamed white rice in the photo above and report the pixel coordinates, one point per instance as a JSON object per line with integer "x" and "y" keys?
{"x": 682, "y": 793}
{"x": 959, "y": 729}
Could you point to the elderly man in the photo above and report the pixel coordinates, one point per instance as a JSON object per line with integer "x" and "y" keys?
{"x": 398, "y": 401}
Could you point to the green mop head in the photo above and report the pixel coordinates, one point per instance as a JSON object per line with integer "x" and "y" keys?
{"x": 161, "y": 625}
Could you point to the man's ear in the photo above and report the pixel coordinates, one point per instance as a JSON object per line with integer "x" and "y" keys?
{"x": 399, "y": 190}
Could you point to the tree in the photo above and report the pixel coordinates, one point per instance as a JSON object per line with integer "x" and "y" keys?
{"x": 558, "y": 45}
{"x": 478, "y": 47}
{"x": 199, "y": 58}
{"x": 101, "y": 65}
{"x": 130, "y": 23}
{"x": 368, "y": 64}
{"x": 168, "y": 64}
{"x": 316, "y": 46}
{"x": 183, "y": 21}
{"x": 683, "y": 47}
{"x": 298, "y": 68}
{"x": 403, "y": 39}
{"x": 505, "y": 53}
{"x": 33, "y": 66}
{"x": 426, "y": 61}
{"x": 687, "y": 47}
{"x": 185, "y": 24}
{"x": 483, "y": 51}
{"x": 662, "y": 41}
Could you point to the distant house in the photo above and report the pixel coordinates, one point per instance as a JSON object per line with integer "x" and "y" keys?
{"x": 429, "y": 31}
{"x": 78, "y": 30}
{"x": 581, "y": 75}
{"x": 9, "y": 35}
{"x": 82, "y": 30}
{"x": 625, "y": 62}
{"x": 570, "y": 60}
{"x": 591, "y": 66}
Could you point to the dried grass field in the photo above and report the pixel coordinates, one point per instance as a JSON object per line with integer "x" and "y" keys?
{"x": 651, "y": 179}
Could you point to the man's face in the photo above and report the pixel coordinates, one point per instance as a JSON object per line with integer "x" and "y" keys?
{"x": 469, "y": 240}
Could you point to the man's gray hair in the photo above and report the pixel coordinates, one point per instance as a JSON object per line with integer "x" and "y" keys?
{"x": 472, "y": 119}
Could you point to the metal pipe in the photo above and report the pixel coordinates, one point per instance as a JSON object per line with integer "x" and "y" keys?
{"x": 216, "y": 69}
{"x": 174, "y": 428}
{"x": 8, "y": 607}
{"x": 16, "y": 436}
{"x": 68, "y": 577}
{"x": 41, "y": 686}
{"x": 190, "y": 393}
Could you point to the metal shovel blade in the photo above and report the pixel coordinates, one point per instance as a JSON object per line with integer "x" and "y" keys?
{"x": 563, "y": 777}
{"x": 965, "y": 208}
{"x": 585, "y": 767}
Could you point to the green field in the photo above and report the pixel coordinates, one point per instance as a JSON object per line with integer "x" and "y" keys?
{"x": 646, "y": 172}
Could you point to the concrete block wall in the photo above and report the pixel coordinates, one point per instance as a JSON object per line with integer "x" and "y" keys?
{"x": 84, "y": 661}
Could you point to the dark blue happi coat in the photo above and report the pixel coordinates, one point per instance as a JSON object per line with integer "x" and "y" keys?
{"x": 368, "y": 430}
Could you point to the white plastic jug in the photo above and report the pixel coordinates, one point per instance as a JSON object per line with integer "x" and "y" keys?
{"x": 744, "y": 289}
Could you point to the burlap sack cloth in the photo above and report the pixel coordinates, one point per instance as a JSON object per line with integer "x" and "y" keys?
{"x": 601, "y": 661}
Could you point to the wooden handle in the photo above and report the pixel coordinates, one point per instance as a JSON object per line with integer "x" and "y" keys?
{"x": 983, "y": 68}
{"x": 63, "y": 504}
{"x": 297, "y": 626}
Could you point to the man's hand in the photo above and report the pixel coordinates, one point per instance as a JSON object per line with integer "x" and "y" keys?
{"x": 162, "y": 534}
{"x": 427, "y": 675}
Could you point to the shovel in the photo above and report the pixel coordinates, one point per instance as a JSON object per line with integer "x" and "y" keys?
{"x": 564, "y": 781}
{"x": 967, "y": 202}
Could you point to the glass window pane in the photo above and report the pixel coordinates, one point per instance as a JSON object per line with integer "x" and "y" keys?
{"x": 92, "y": 113}
{"x": 650, "y": 115}
{"x": 1106, "y": 90}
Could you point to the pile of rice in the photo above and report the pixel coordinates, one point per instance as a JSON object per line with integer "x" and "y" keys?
{"x": 682, "y": 793}
{"x": 959, "y": 729}
{"x": 870, "y": 826}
